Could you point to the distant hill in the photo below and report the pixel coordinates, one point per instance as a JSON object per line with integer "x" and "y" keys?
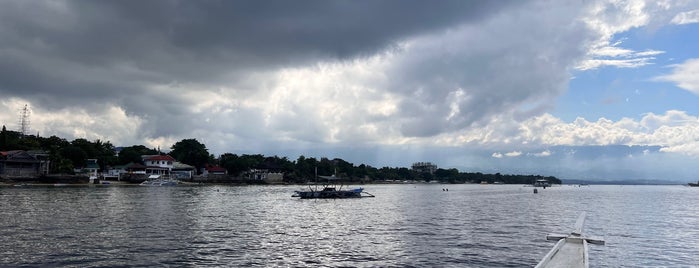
{"x": 625, "y": 182}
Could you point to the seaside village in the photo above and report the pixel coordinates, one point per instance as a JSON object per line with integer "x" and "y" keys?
{"x": 19, "y": 165}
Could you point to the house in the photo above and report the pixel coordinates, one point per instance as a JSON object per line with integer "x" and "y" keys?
{"x": 213, "y": 171}
{"x": 182, "y": 171}
{"x": 114, "y": 173}
{"x": 24, "y": 163}
{"x": 91, "y": 168}
{"x": 163, "y": 161}
{"x": 124, "y": 171}
{"x": 424, "y": 167}
{"x": 135, "y": 168}
{"x": 133, "y": 172}
{"x": 158, "y": 164}
{"x": 265, "y": 175}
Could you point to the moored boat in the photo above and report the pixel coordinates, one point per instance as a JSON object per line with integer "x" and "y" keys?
{"x": 542, "y": 183}
{"x": 331, "y": 192}
{"x": 156, "y": 180}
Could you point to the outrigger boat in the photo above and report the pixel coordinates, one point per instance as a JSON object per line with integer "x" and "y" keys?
{"x": 156, "y": 180}
{"x": 571, "y": 249}
{"x": 329, "y": 191}
{"x": 332, "y": 192}
{"x": 542, "y": 183}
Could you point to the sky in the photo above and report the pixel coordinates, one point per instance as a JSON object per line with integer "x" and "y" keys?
{"x": 596, "y": 90}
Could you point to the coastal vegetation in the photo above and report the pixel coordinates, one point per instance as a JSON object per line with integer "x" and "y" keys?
{"x": 67, "y": 155}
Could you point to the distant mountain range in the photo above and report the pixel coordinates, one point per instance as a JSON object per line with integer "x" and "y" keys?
{"x": 625, "y": 182}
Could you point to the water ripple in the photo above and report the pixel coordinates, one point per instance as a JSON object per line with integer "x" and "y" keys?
{"x": 404, "y": 226}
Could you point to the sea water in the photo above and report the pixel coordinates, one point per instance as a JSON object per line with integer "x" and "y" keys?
{"x": 409, "y": 225}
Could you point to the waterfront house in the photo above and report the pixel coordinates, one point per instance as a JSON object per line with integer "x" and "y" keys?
{"x": 212, "y": 170}
{"x": 133, "y": 172}
{"x": 158, "y": 164}
{"x": 163, "y": 161}
{"x": 265, "y": 175}
{"x": 182, "y": 171}
{"x": 23, "y": 163}
{"x": 91, "y": 168}
{"x": 135, "y": 168}
{"x": 114, "y": 173}
{"x": 162, "y": 165}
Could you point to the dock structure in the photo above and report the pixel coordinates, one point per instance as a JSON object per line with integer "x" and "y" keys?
{"x": 571, "y": 249}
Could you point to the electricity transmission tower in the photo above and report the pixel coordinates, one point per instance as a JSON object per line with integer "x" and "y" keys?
{"x": 24, "y": 120}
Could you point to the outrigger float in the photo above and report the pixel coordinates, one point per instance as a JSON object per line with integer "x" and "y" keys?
{"x": 571, "y": 249}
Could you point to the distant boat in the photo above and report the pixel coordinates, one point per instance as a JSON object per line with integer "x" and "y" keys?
{"x": 542, "y": 183}
{"x": 330, "y": 191}
{"x": 693, "y": 184}
{"x": 571, "y": 249}
{"x": 156, "y": 180}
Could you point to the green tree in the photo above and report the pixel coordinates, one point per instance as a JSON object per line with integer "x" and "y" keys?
{"x": 75, "y": 155}
{"x": 191, "y": 152}
{"x": 87, "y": 147}
{"x": 28, "y": 142}
{"x": 230, "y": 162}
{"x": 406, "y": 174}
{"x": 53, "y": 142}
{"x": 3, "y": 138}
{"x": 132, "y": 154}
{"x": 102, "y": 151}
{"x": 10, "y": 140}
{"x": 426, "y": 176}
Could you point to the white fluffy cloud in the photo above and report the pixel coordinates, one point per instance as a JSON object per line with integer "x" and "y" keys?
{"x": 111, "y": 123}
{"x": 685, "y": 75}
{"x": 608, "y": 18}
{"x": 686, "y": 17}
{"x": 674, "y": 131}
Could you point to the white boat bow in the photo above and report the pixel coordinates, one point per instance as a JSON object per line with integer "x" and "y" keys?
{"x": 571, "y": 249}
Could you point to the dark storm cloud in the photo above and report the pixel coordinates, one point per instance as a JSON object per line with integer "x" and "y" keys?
{"x": 271, "y": 29}
{"x": 81, "y": 53}
{"x": 196, "y": 40}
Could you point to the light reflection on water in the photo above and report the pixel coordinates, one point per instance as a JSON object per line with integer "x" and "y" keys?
{"x": 403, "y": 226}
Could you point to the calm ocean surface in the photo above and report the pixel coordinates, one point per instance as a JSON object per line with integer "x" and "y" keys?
{"x": 404, "y": 226}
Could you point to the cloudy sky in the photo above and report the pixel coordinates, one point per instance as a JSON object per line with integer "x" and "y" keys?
{"x": 575, "y": 89}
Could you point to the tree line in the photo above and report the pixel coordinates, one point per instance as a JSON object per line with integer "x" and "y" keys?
{"x": 67, "y": 155}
